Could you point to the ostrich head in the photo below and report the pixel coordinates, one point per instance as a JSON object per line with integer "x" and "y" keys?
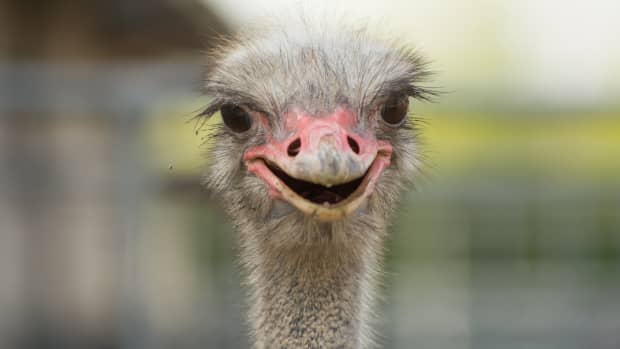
{"x": 315, "y": 131}
{"x": 313, "y": 152}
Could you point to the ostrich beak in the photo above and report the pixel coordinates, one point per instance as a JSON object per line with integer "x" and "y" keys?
{"x": 323, "y": 168}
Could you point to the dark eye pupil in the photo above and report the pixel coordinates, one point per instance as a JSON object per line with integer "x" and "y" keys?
{"x": 236, "y": 118}
{"x": 395, "y": 110}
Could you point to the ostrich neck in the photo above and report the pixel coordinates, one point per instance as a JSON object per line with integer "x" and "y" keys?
{"x": 311, "y": 297}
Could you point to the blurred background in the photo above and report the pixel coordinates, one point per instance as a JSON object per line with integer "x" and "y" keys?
{"x": 107, "y": 239}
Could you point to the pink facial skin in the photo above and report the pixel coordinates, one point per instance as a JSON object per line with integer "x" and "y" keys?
{"x": 323, "y": 150}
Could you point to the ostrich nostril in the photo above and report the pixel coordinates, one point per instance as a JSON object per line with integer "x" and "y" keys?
{"x": 353, "y": 144}
{"x": 294, "y": 147}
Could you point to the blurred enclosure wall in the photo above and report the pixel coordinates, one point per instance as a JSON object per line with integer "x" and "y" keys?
{"x": 107, "y": 239}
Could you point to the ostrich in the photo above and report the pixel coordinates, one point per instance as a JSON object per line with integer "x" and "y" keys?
{"x": 312, "y": 155}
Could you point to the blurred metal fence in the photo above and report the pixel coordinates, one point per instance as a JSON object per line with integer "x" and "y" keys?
{"x": 91, "y": 255}
{"x": 72, "y": 187}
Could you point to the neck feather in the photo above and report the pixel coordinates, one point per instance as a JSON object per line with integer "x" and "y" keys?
{"x": 311, "y": 296}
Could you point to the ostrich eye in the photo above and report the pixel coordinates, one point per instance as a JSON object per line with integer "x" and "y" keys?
{"x": 395, "y": 110}
{"x": 236, "y": 118}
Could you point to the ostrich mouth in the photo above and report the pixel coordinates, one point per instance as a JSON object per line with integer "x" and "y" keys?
{"x": 317, "y": 193}
{"x": 321, "y": 202}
